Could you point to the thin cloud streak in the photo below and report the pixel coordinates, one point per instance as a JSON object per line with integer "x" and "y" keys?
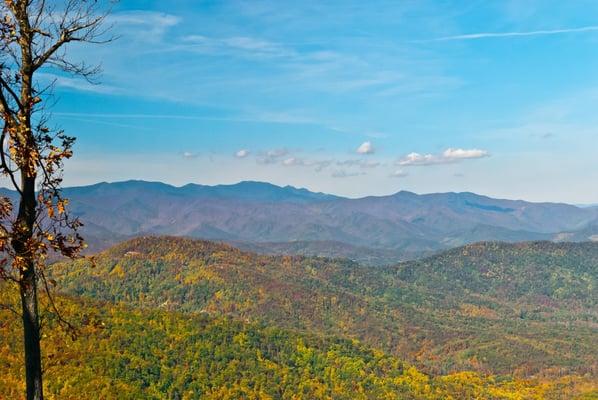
{"x": 486, "y": 35}
{"x": 178, "y": 117}
{"x": 108, "y": 123}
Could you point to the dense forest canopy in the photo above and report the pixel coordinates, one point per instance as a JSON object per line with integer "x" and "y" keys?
{"x": 521, "y": 318}
{"x": 125, "y": 353}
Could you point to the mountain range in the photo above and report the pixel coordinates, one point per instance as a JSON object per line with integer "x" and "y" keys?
{"x": 266, "y": 218}
{"x": 170, "y": 317}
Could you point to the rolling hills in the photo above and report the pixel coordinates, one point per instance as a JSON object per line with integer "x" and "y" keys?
{"x": 527, "y": 309}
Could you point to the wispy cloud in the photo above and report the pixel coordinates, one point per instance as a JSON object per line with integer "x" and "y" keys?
{"x": 103, "y": 122}
{"x": 141, "y": 17}
{"x": 358, "y": 163}
{"x": 148, "y": 26}
{"x": 285, "y": 158}
{"x": 448, "y": 156}
{"x": 344, "y": 174}
{"x": 267, "y": 118}
{"x": 271, "y": 156}
{"x": 398, "y": 174}
{"x": 245, "y": 44}
{"x": 318, "y": 165}
{"x": 189, "y": 155}
{"x": 293, "y": 161}
{"x": 284, "y": 118}
{"x": 487, "y": 35}
{"x": 76, "y": 84}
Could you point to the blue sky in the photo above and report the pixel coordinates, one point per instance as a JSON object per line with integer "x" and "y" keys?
{"x": 353, "y": 98}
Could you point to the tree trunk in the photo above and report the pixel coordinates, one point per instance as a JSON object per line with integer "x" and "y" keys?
{"x": 28, "y": 288}
{"x": 31, "y": 331}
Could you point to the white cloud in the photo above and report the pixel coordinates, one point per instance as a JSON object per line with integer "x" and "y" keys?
{"x": 366, "y": 148}
{"x": 461, "y": 154}
{"x": 242, "y": 153}
{"x": 448, "y": 156}
{"x": 398, "y": 174}
{"x": 418, "y": 159}
{"x": 293, "y": 161}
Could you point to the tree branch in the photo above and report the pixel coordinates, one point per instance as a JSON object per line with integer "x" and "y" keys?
{"x": 67, "y": 35}
{"x": 3, "y": 164}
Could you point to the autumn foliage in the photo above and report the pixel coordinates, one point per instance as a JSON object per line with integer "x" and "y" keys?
{"x": 165, "y": 317}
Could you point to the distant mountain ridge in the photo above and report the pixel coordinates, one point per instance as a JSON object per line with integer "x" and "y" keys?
{"x": 331, "y": 249}
{"x": 245, "y": 190}
{"x": 267, "y": 216}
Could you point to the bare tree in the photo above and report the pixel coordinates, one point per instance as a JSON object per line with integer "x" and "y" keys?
{"x": 34, "y": 35}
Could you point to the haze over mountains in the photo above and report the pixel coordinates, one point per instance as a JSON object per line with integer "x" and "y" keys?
{"x": 270, "y": 219}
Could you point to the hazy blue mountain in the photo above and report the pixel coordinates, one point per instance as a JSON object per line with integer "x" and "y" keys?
{"x": 246, "y": 190}
{"x": 264, "y": 217}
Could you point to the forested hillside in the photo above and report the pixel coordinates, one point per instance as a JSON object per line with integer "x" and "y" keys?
{"x": 130, "y": 354}
{"x": 528, "y": 309}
